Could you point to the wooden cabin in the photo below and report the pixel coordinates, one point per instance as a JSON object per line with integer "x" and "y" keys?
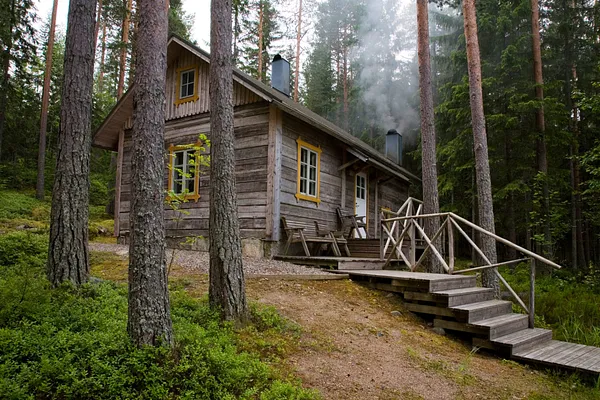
{"x": 290, "y": 162}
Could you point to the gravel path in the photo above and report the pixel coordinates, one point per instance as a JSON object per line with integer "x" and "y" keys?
{"x": 198, "y": 261}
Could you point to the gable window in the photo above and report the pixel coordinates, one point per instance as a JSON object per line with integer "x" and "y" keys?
{"x": 183, "y": 171}
{"x": 187, "y": 85}
{"x": 309, "y": 165}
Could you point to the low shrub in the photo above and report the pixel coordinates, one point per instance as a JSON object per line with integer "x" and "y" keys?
{"x": 567, "y": 302}
{"x": 72, "y": 343}
{"x": 20, "y": 205}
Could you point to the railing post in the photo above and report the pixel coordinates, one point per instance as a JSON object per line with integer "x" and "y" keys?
{"x": 450, "y": 246}
{"x": 381, "y": 239}
{"x": 412, "y": 257}
{"x": 532, "y": 295}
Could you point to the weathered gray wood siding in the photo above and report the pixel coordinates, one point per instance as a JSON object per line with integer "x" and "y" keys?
{"x": 241, "y": 95}
{"x": 251, "y": 134}
{"x": 331, "y": 181}
{"x": 392, "y": 193}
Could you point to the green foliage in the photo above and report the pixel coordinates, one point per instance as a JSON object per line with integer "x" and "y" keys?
{"x": 72, "y": 343}
{"x": 21, "y": 205}
{"x": 566, "y": 302}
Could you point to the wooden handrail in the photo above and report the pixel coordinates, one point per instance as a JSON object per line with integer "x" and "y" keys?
{"x": 501, "y": 264}
{"x": 413, "y": 219}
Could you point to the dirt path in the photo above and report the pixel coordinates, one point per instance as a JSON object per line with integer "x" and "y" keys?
{"x": 354, "y": 347}
{"x": 358, "y": 343}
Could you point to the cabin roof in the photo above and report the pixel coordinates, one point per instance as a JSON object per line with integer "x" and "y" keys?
{"x": 106, "y": 136}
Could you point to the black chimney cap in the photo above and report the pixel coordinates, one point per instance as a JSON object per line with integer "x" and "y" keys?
{"x": 277, "y": 57}
{"x": 392, "y": 132}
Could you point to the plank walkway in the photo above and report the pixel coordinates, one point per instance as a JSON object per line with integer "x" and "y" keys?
{"x": 457, "y": 304}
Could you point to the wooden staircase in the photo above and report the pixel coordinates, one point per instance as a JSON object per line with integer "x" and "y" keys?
{"x": 457, "y": 304}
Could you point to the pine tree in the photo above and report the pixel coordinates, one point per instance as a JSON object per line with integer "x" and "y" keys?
{"x": 428, "y": 141}
{"x": 227, "y": 290}
{"x": 482, "y": 167}
{"x": 149, "y": 320}
{"x": 45, "y": 99}
{"x": 68, "y": 259}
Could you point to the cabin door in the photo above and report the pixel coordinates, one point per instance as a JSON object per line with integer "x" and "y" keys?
{"x": 360, "y": 201}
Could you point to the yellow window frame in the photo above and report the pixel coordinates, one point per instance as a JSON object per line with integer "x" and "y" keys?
{"x": 178, "y": 99}
{"x": 301, "y": 196}
{"x": 172, "y": 149}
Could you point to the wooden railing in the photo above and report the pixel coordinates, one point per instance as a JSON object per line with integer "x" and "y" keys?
{"x": 404, "y": 232}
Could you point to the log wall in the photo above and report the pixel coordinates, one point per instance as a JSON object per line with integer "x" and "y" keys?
{"x": 241, "y": 95}
{"x": 251, "y": 151}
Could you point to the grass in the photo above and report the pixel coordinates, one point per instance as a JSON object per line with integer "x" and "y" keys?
{"x": 22, "y": 211}
{"x": 72, "y": 342}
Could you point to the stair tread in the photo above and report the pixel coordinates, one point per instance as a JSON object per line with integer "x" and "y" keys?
{"x": 499, "y": 321}
{"x": 480, "y": 305}
{"x": 521, "y": 336}
{"x": 470, "y": 290}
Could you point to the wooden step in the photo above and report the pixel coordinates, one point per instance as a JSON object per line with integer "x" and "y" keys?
{"x": 565, "y": 355}
{"x": 523, "y": 340}
{"x": 374, "y": 264}
{"x": 473, "y": 312}
{"x": 502, "y": 325}
{"x": 465, "y": 295}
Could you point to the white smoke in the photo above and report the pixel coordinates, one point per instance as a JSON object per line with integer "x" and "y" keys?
{"x": 389, "y": 75}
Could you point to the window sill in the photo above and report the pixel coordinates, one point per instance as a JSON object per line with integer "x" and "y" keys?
{"x": 193, "y": 197}
{"x": 179, "y": 102}
{"x": 300, "y": 196}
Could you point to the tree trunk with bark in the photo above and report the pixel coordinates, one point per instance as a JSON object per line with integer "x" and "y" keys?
{"x": 261, "y": 16}
{"x": 102, "y": 57}
{"x": 68, "y": 252}
{"x": 540, "y": 125}
{"x": 227, "y": 288}
{"x": 482, "y": 166}
{"x": 6, "y": 55}
{"x": 125, "y": 42}
{"x": 149, "y": 321}
{"x": 39, "y": 187}
{"x": 98, "y": 19}
{"x": 297, "y": 64}
{"x": 428, "y": 142}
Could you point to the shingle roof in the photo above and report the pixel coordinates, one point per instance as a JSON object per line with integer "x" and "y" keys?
{"x": 297, "y": 110}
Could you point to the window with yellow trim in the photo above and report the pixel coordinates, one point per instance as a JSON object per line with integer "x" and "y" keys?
{"x": 187, "y": 84}
{"x": 184, "y": 171}
{"x": 309, "y": 165}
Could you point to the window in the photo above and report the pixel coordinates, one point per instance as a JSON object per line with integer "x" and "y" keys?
{"x": 361, "y": 187}
{"x": 187, "y": 84}
{"x": 183, "y": 173}
{"x": 309, "y": 159}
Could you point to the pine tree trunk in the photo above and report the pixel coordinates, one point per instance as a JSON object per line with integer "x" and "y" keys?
{"x": 482, "y": 166}
{"x": 149, "y": 320}
{"x": 541, "y": 149}
{"x": 345, "y": 81}
{"x": 98, "y": 19}
{"x": 236, "y": 31}
{"x": 39, "y": 187}
{"x": 125, "y": 43}
{"x": 428, "y": 142}
{"x": 298, "y": 39}
{"x": 6, "y": 55}
{"x": 511, "y": 252}
{"x": 68, "y": 253}
{"x": 261, "y": 16}
{"x": 102, "y": 58}
{"x": 227, "y": 288}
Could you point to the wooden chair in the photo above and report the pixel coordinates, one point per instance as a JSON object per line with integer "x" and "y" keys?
{"x": 306, "y": 233}
{"x": 338, "y": 236}
{"x": 353, "y": 222}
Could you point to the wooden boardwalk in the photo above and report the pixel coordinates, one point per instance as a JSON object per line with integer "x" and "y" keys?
{"x": 457, "y": 304}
